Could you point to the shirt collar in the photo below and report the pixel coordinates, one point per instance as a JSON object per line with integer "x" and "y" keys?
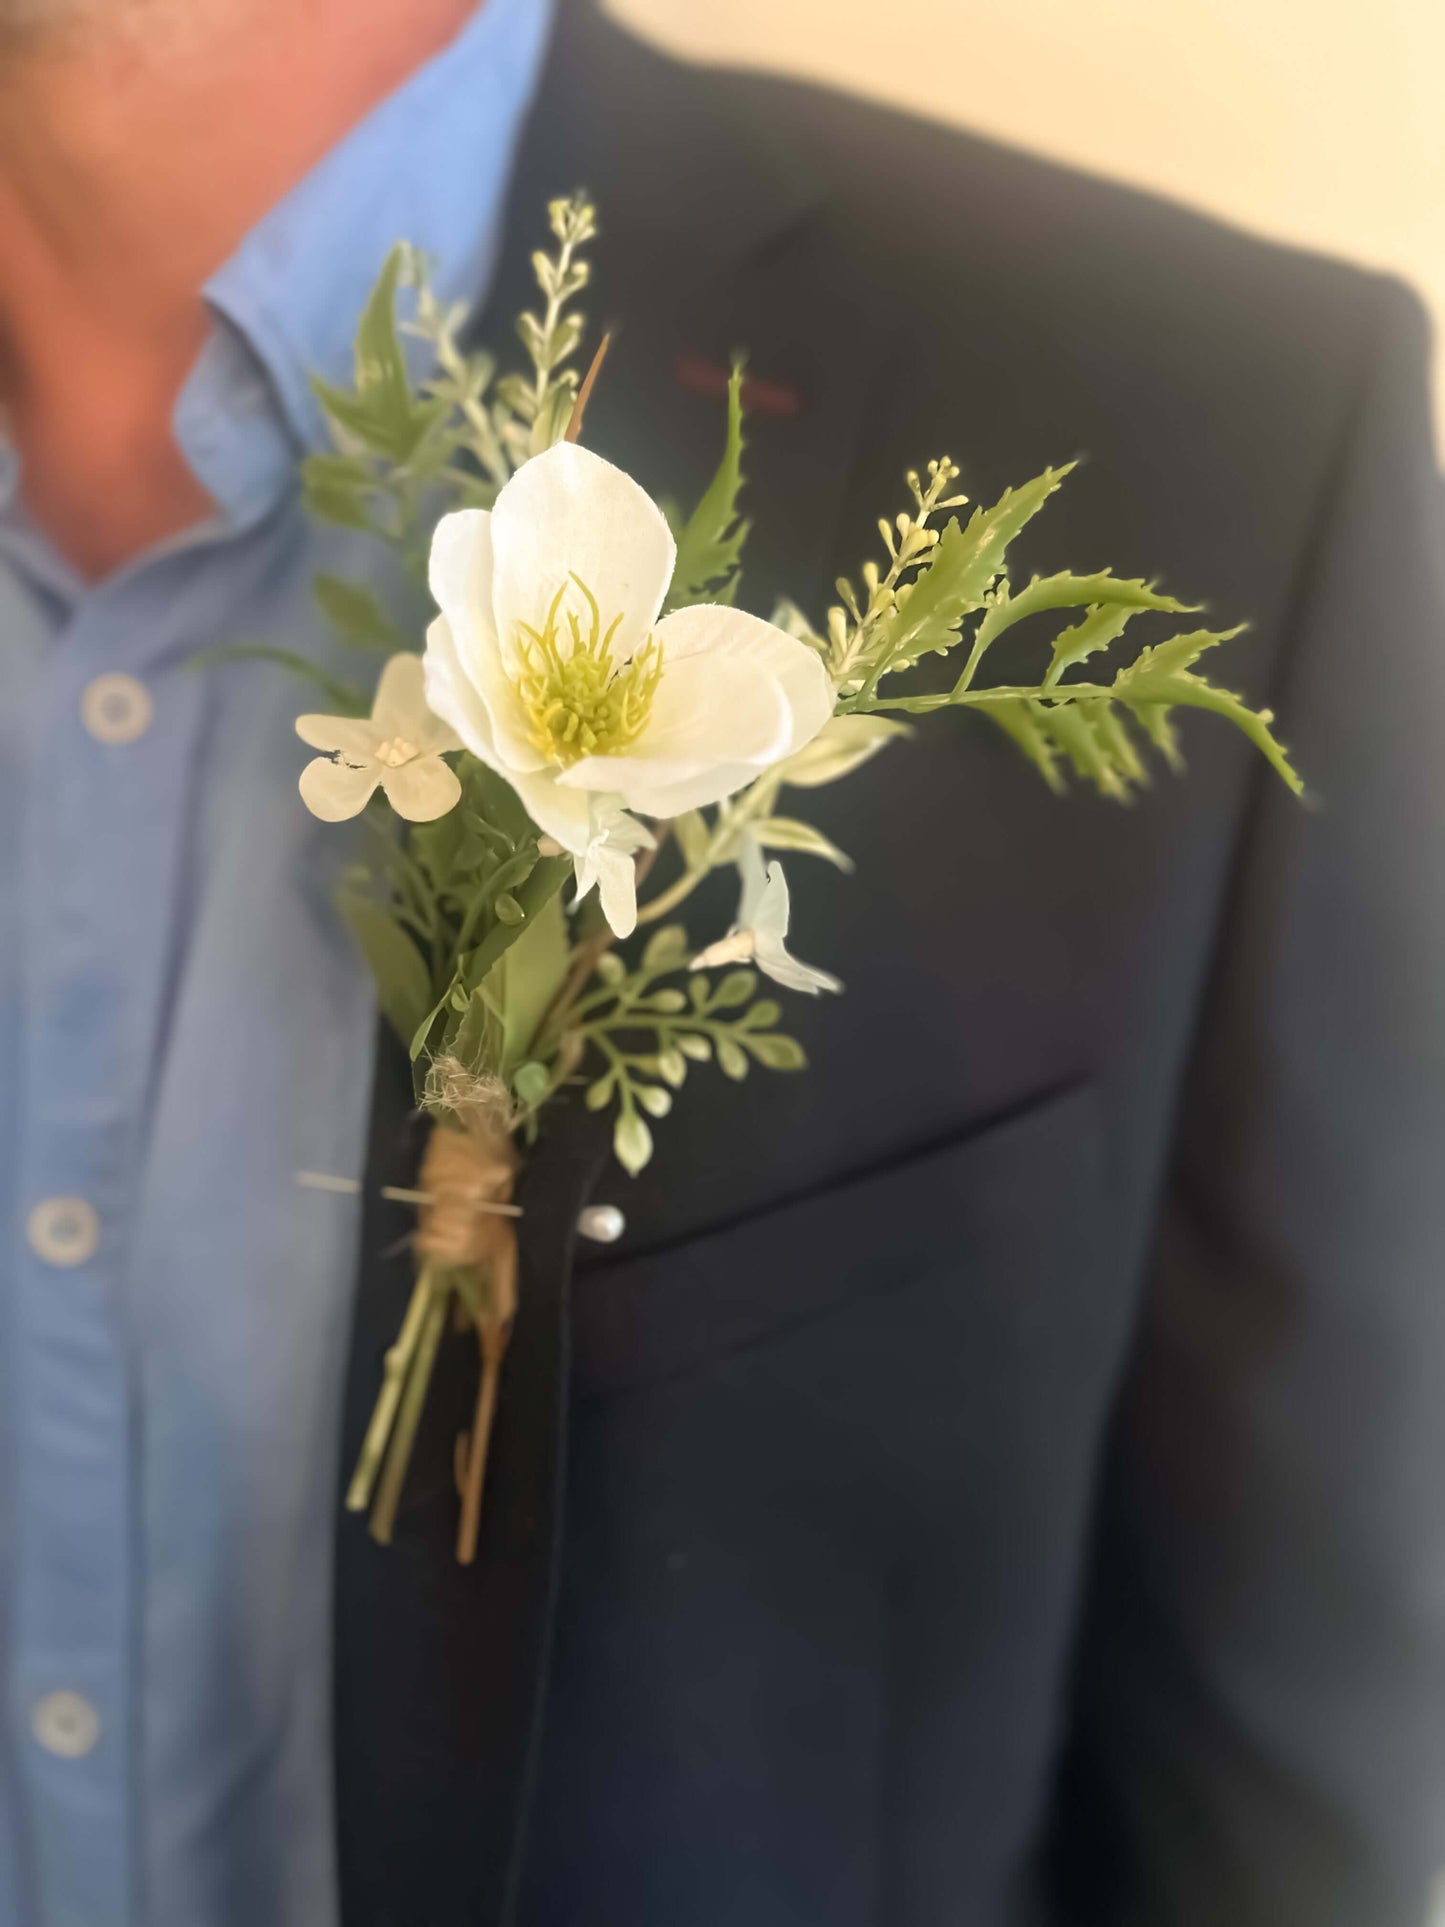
{"x": 430, "y": 164}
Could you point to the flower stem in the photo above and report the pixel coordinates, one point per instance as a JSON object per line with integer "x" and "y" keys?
{"x": 413, "y": 1398}
{"x": 383, "y": 1413}
{"x": 494, "y": 1348}
{"x": 669, "y": 898}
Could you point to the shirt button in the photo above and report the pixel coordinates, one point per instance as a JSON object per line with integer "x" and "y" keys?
{"x": 116, "y": 708}
{"x": 63, "y": 1231}
{"x": 65, "y": 1724}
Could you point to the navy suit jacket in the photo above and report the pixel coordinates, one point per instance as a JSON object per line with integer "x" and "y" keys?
{"x": 996, "y": 1477}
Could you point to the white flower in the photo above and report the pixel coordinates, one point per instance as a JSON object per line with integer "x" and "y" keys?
{"x": 606, "y": 860}
{"x": 399, "y": 746}
{"x": 757, "y": 936}
{"x": 549, "y": 660}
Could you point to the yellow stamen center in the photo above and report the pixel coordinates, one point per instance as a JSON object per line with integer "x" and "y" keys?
{"x": 395, "y": 751}
{"x": 578, "y": 700}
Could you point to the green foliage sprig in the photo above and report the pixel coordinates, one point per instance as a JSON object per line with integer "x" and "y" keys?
{"x": 405, "y": 453}
{"x": 937, "y": 580}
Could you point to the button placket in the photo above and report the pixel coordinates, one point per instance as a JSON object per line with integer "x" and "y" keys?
{"x": 102, "y": 857}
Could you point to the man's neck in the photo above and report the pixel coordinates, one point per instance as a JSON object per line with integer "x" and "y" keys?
{"x": 135, "y": 156}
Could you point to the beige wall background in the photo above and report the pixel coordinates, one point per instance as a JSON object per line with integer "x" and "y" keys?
{"x": 1315, "y": 121}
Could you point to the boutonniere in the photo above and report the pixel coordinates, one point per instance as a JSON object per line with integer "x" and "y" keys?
{"x": 590, "y": 726}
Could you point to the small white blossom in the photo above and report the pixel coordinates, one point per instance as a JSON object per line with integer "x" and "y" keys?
{"x": 398, "y": 747}
{"x": 606, "y": 860}
{"x": 552, "y": 662}
{"x": 757, "y": 936}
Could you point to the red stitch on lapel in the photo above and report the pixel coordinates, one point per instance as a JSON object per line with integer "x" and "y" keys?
{"x": 698, "y": 376}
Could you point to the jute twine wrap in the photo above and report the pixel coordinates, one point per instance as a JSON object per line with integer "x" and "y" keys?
{"x": 462, "y": 1173}
{"x": 468, "y": 1170}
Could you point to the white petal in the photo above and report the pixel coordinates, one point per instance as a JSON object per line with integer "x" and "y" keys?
{"x": 399, "y": 705}
{"x": 355, "y": 737}
{"x": 568, "y": 513}
{"x": 459, "y": 569}
{"x": 709, "y": 714}
{"x": 753, "y": 872}
{"x": 461, "y": 578}
{"x": 671, "y": 798}
{"x": 770, "y": 909}
{"x": 423, "y": 789}
{"x": 771, "y": 905}
{"x": 452, "y": 695}
{"x": 710, "y": 629}
{"x": 617, "y": 889}
{"x": 565, "y": 815}
{"x": 335, "y": 791}
{"x": 774, "y": 961}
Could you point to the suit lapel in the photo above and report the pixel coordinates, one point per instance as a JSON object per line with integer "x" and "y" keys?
{"x": 440, "y": 1670}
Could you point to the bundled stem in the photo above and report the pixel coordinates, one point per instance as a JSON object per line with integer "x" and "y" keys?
{"x": 436, "y": 1298}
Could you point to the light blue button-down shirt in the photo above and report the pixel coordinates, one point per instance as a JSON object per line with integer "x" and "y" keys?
{"x": 183, "y": 1027}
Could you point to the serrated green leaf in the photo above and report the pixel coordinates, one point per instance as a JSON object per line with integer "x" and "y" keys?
{"x": 963, "y": 565}
{"x": 1073, "y": 730}
{"x": 1021, "y": 719}
{"x": 776, "y": 1052}
{"x": 1067, "y": 592}
{"x": 1164, "y": 676}
{"x": 1153, "y": 719}
{"x": 355, "y": 613}
{"x": 403, "y": 986}
{"x": 1114, "y": 739}
{"x": 709, "y": 550}
{"x": 1150, "y": 677}
{"x": 788, "y": 833}
{"x": 632, "y": 1141}
{"x": 1099, "y": 628}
